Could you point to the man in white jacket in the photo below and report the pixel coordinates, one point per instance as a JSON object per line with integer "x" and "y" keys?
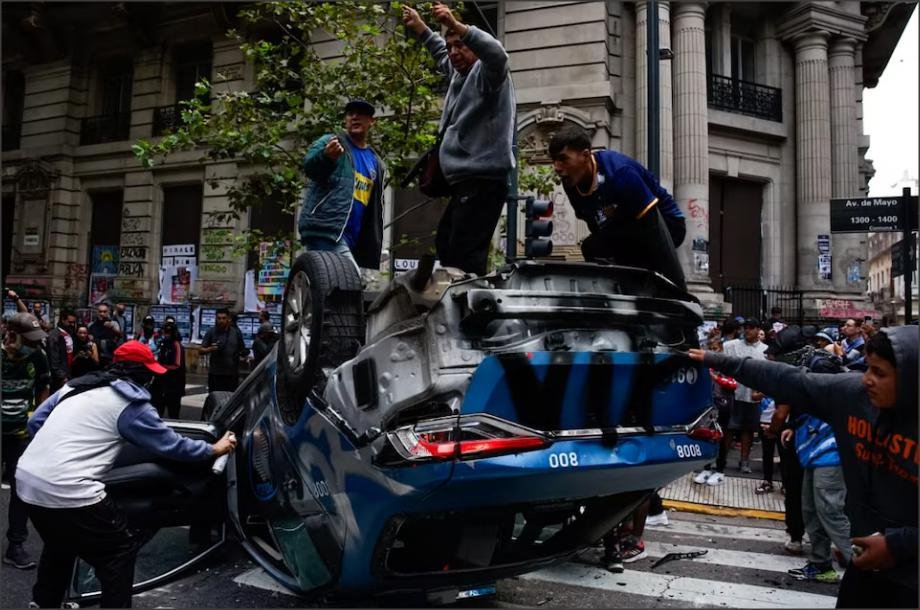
{"x": 76, "y": 435}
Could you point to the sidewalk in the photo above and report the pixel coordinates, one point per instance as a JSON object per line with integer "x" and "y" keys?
{"x": 735, "y": 496}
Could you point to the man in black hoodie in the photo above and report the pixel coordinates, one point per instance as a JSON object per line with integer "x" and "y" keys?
{"x": 874, "y": 417}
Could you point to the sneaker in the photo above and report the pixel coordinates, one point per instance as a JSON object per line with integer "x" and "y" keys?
{"x": 811, "y": 571}
{"x": 613, "y": 562}
{"x": 633, "y": 549}
{"x": 702, "y": 477}
{"x": 793, "y": 547}
{"x": 659, "y": 519}
{"x": 17, "y": 557}
{"x": 746, "y": 468}
{"x": 717, "y": 478}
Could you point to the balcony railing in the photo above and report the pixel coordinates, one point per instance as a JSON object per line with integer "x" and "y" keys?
{"x": 743, "y": 97}
{"x": 166, "y": 119}
{"x": 10, "y": 136}
{"x": 105, "y": 128}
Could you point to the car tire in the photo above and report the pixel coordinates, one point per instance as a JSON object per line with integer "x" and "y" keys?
{"x": 214, "y": 404}
{"x": 322, "y": 325}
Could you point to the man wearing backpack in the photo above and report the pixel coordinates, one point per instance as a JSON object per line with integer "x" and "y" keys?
{"x": 823, "y": 488}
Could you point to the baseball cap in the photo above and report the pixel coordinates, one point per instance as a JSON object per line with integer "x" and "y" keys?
{"x": 27, "y": 326}
{"x": 360, "y": 105}
{"x": 751, "y": 322}
{"x": 825, "y": 336}
{"x": 149, "y": 319}
{"x": 135, "y": 351}
{"x": 787, "y": 340}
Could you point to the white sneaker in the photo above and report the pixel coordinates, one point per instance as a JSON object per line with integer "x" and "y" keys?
{"x": 659, "y": 519}
{"x": 717, "y": 478}
{"x": 702, "y": 477}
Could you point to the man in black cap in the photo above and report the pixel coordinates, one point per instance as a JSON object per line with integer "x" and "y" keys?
{"x": 343, "y": 203}
{"x": 745, "y": 416}
{"x": 25, "y": 379}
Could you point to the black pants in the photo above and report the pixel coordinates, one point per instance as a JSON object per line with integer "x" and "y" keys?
{"x": 644, "y": 243}
{"x": 98, "y": 535}
{"x": 17, "y": 529}
{"x": 861, "y": 589}
{"x": 792, "y": 481}
{"x": 466, "y": 227}
{"x": 225, "y": 383}
{"x": 677, "y": 227}
{"x": 769, "y": 450}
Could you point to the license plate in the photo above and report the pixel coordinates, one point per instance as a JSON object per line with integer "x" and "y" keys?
{"x": 477, "y": 592}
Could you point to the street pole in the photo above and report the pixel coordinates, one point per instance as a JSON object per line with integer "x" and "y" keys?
{"x": 652, "y": 55}
{"x": 908, "y": 250}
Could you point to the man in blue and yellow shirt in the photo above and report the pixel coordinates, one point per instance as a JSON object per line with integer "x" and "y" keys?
{"x": 343, "y": 204}
{"x": 633, "y": 219}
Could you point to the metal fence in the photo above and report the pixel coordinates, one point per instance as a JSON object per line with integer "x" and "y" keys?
{"x": 744, "y": 97}
{"x": 757, "y": 301}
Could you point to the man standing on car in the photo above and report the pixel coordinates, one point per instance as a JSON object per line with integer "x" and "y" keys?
{"x": 76, "y": 436}
{"x": 343, "y": 204}
{"x": 477, "y": 127}
{"x": 224, "y": 343}
{"x": 633, "y": 219}
{"x": 745, "y": 416}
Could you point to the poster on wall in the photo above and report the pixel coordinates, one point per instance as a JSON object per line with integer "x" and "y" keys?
{"x": 105, "y": 260}
{"x": 182, "y": 314}
{"x": 273, "y": 269}
{"x": 824, "y": 257}
{"x": 100, "y": 287}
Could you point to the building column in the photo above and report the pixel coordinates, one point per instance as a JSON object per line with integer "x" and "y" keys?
{"x": 813, "y": 156}
{"x": 665, "y": 120}
{"x": 691, "y": 140}
{"x": 849, "y": 250}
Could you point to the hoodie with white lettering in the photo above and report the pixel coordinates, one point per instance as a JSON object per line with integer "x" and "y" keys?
{"x": 878, "y": 446}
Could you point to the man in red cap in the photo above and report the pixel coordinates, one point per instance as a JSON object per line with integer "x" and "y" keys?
{"x": 76, "y": 435}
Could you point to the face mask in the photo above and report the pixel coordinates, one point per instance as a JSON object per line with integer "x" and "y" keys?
{"x": 25, "y": 350}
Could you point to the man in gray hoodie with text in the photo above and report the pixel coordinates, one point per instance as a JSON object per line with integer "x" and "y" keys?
{"x": 477, "y": 125}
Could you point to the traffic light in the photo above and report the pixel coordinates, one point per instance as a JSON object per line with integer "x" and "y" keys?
{"x": 536, "y": 229}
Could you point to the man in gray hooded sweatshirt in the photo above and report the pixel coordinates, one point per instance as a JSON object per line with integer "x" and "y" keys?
{"x": 477, "y": 126}
{"x": 874, "y": 418}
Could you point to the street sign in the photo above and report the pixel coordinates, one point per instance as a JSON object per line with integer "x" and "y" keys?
{"x": 897, "y": 259}
{"x": 864, "y": 214}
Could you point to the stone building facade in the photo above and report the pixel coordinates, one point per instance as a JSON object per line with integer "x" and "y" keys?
{"x": 760, "y": 126}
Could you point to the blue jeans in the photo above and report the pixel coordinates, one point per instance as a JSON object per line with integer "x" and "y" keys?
{"x": 323, "y": 244}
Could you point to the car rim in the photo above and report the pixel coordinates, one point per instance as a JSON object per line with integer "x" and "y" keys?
{"x": 298, "y": 314}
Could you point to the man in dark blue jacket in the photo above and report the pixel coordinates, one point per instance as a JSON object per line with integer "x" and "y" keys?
{"x": 874, "y": 417}
{"x": 343, "y": 203}
{"x": 633, "y": 220}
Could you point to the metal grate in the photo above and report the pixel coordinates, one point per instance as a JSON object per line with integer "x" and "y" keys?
{"x": 105, "y": 128}
{"x": 757, "y": 301}
{"x": 744, "y": 97}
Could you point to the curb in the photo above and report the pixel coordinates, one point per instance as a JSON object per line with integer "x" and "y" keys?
{"x": 723, "y": 511}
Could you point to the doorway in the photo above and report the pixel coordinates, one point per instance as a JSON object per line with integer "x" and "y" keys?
{"x": 734, "y": 226}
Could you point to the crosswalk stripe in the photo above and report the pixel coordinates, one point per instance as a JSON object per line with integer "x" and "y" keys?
{"x": 693, "y": 591}
{"x": 259, "y": 578}
{"x": 724, "y": 557}
{"x": 698, "y": 528}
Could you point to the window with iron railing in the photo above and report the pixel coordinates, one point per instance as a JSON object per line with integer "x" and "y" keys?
{"x": 113, "y": 127}
{"x": 113, "y": 124}
{"x": 13, "y": 102}
{"x": 192, "y": 64}
{"x": 744, "y": 97}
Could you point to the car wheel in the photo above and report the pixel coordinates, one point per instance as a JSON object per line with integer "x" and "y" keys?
{"x": 214, "y": 403}
{"x": 322, "y": 325}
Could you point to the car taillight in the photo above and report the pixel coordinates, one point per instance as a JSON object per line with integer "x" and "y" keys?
{"x": 471, "y": 437}
{"x": 707, "y": 428}
{"x": 706, "y": 434}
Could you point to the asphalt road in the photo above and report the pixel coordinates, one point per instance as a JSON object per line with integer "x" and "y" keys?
{"x": 745, "y": 566}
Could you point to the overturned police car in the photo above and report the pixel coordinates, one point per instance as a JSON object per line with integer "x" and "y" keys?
{"x": 458, "y": 430}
